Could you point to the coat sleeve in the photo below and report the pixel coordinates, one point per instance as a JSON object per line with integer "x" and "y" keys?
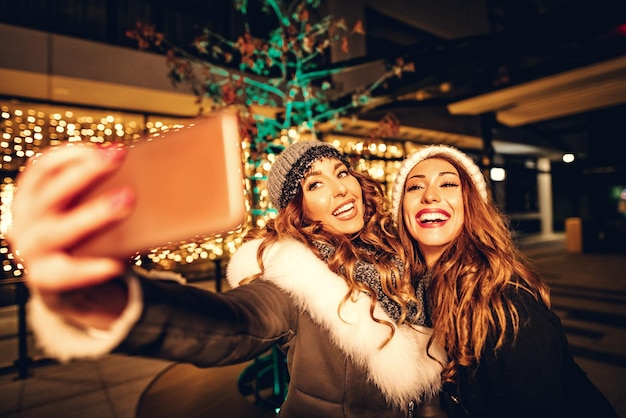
{"x": 64, "y": 341}
{"x": 170, "y": 320}
{"x": 186, "y": 323}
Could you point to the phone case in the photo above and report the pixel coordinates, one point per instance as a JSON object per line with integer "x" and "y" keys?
{"x": 189, "y": 185}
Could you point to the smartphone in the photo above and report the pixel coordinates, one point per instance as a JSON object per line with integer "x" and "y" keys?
{"x": 189, "y": 185}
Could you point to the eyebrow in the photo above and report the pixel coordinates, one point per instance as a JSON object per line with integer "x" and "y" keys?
{"x": 443, "y": 173}
{"x": 318, "y": 172}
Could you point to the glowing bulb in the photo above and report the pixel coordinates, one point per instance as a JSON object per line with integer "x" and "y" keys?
{"x": 497, "y": 174}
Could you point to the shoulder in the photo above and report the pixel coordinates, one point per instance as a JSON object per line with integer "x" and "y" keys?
{"x": 539, "y": 327}
{"x": 283, "y": 258}
{"x": 528, "y": 305}
{"x": 280, "y": 249}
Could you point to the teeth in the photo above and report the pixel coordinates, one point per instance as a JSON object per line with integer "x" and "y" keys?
{"x": 433, "y": 217}
{"x": 344, "y": 208}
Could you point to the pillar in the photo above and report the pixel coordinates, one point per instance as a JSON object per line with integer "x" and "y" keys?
{"x": 544, "y": 191}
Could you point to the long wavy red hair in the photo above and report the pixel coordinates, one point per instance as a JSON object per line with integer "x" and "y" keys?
{"x": 468, "y": 281}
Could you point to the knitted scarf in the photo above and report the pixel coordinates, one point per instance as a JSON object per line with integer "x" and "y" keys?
{"x": 367, "y": 273}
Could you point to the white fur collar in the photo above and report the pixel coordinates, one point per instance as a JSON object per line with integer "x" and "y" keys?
{"x": 402, "y": 369}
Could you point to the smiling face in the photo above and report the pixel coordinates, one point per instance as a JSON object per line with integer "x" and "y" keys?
{"x": 432, "y": 206}
{"x": 333, "y": 196}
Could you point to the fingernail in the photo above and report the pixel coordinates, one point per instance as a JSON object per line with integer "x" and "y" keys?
{"x": 122, "y": 199}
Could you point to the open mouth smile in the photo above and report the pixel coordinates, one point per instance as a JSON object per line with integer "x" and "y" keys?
{"x": 432, "y": 218}
{"x": 344, "y": 210}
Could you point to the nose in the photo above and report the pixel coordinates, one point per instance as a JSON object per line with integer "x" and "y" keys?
{"x": 339, "y": 189}
{"x": 431, "y": 194}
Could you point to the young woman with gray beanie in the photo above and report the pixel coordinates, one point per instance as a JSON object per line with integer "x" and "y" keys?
{"x": 324, "y": 281}
{"x": 509, "y": 356}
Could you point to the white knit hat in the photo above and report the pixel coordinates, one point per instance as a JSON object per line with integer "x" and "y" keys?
{"x": 429, "y": 152}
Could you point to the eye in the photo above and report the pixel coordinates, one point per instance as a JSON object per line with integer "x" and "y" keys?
{"x": 312, "y": 185}
{"x": 411, "y": 187}
{"x": 342, "y": 174}
{"x": 450, "y": 184}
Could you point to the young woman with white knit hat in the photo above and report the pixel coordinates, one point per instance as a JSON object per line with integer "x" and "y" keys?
{"x": 509, "y": 356}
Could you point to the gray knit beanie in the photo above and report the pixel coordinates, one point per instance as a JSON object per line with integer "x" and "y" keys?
{"x": 429, "y": 152}
{"x": 290, "y": 167}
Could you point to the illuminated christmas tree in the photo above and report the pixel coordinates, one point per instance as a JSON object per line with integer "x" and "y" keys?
{"x": 282, "y": 85}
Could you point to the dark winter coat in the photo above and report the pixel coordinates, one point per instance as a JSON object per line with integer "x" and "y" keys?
{"x": 534, "y": 375}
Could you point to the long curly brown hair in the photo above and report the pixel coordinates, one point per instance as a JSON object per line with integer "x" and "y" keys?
{"x": 376, "y": 243}
{"x": 468, "y": 281}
